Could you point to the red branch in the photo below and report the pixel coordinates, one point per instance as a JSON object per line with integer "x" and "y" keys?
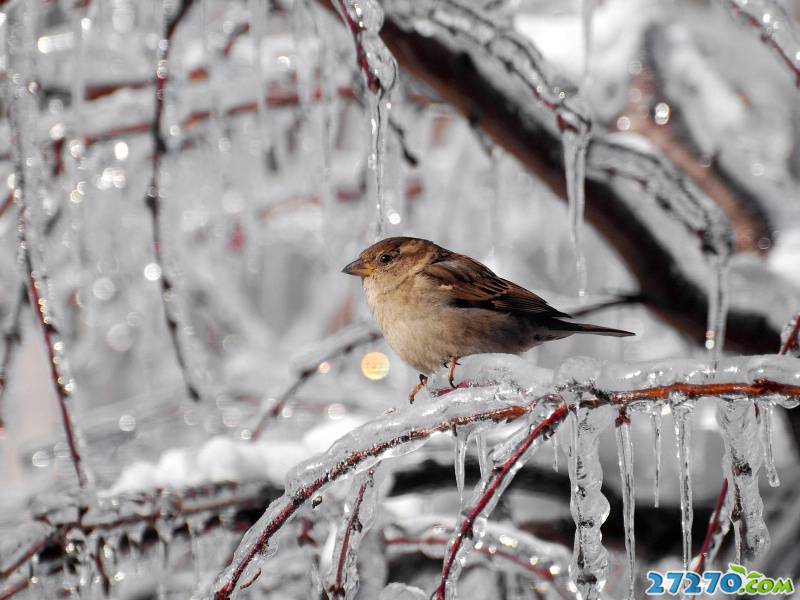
{"x": 373, "y": 83}
{"x": 792, "y": 341}
{"x": 11, "y": 589}
{"x": 498, "y": 477}
{"x": 337, "y": 589}
{"x": 152, "y": 198}
{"x": 713, "y": 525}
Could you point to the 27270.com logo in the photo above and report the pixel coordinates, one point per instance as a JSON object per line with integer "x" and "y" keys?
{"x": 736, "y": 580}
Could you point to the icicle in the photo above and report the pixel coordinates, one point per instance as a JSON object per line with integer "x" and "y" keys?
{"x": 555, "y": 451}
{"x": 365, "y": 20}
{"x": 625, "y": 459}
{"x": 342, "y": 579}
{"x": 681, "y": 411}
{"x": 589, "y": 508}
{"x": 460, "y": 449}
{"x": 741, "y": 464}
{"x": 483, "y": 454}
{"x": 575, "y": 145}
{"x": 379, "y": 116}
{"x": 717, "y": 308}
{"x": 655, "y": 421}
{"x": 766, "y": 408}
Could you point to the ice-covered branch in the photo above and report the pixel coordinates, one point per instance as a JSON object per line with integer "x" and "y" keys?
{"x": 210, "y": 505}
{"x": 775, "y": 28}
{"x": 358, "y": 516}
{"x": 22, "y": 116}
{"x": 488, "y": 496}
{"x": 337, "y": 345}
{"x": 405, "y": 430}
{"x": 397, "y": 433}
{"x": 153, "y": 195}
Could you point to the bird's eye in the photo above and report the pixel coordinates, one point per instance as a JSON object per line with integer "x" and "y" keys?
{"x": 385, "y": 259}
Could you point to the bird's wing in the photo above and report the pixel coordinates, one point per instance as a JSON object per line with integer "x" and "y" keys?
{"x": 472, "y": 285}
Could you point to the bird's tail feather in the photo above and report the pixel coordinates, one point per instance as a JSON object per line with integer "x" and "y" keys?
{"x": 593, "y": 329}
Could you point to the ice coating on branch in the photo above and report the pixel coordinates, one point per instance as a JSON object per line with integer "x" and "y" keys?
{"x": 468, "y": 28}
{"x": 378, "y": 121}
{"x": 681, "y": 413}
{"x": 357, "y": 518}
{"x": 389, "y": 436}
{"x": 741, "y": 463}
{"x": 625, "y": 460}
{"x": 459, "y": 456}
{"x": 766, "y": 408}
{"x": 588, "y": 505}
{"x": 401, "y": 591}
{"x": 632, "y": 158}
{"x": 655, "y": 421}
{"x": 776, "y": 28}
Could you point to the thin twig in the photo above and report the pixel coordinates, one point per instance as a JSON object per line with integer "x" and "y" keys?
{"x": 353, "y": 523}
{"x": 302, "y": 378}
{"x": 499, "y": 474}
{"x": 713, "y": 525}
{"x": 153, "y": 199}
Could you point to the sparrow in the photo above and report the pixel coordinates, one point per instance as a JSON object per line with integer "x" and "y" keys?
{"x": 435, "y": 306}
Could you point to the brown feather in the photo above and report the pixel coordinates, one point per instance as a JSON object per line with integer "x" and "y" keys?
{"x": 474, "y": 285}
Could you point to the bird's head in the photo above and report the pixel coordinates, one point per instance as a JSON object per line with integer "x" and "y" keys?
{"x": 393, "y": 257}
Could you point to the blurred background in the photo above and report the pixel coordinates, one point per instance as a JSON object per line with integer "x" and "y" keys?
{"x": 264, "y": 145}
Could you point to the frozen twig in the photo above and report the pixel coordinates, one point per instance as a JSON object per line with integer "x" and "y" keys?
{"x": 211, "y": 501}
{"x": 497, "y": 481}
{"x": 775, "y": 28}
{"x": 153, "y": 196}
{"x": 255, "y": 543}
{"x": 345, "y": 346}
{"x": 714, "y": 524}
{"x": 21, "y": 111}
{"x": 349, "y": 539}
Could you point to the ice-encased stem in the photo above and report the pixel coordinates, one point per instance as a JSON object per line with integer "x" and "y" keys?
{"x": 358, "y": 515}
{"x": 588, "y": 505}
{"x": 741, "y": 463}
{"x": 766, "y": 409}
{"x": 483, "y": 454}
{"x": 509, "y": 457}
{"x": 625, "y": 460}
{"x": 575, "y": 144}
{"x": 655, "y": 421}
{"x": 681, "y": 412}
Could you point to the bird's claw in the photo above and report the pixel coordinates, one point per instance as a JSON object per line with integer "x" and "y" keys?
{"x": 423, "y": 381}
{"x": 452, "y": 371}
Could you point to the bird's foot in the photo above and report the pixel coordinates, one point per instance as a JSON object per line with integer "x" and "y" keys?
{"x": 423, "y": 381}
{"x": 452, "y": 371}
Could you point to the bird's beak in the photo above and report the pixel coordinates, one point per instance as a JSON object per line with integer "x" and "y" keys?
{"x": 358, "y": 268}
